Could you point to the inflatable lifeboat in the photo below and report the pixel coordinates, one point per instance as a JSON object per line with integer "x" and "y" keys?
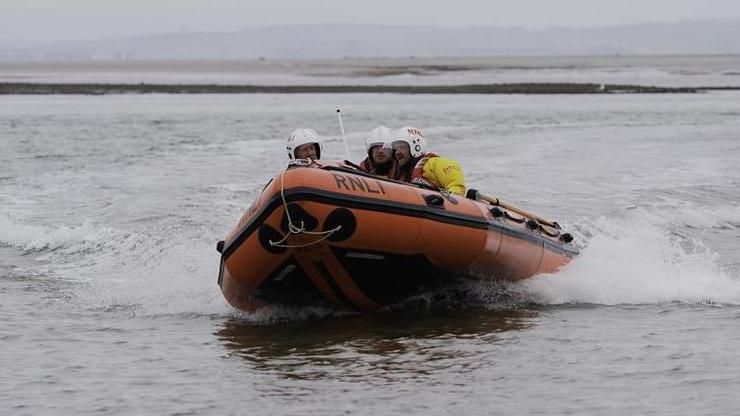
{"x": 329, "y": 234}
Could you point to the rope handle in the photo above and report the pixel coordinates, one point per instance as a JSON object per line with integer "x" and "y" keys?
{"x": 292, "y": 229}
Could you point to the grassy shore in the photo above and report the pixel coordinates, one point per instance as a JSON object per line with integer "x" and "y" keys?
{"x": 514, "y": 88}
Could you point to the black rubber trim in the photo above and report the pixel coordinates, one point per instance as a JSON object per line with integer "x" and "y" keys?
{"x": 435, "y": 201}
{"x": 267, "y": 235}
{"x": 221, "y": 271}
{"x": 340, "y": 217}
{"x": 383, "y": 205}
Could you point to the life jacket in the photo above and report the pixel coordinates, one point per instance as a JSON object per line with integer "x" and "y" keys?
{"x": 366, "y": 165}
{"x": 417, "y": 175}
{"x": 388, "y": 170}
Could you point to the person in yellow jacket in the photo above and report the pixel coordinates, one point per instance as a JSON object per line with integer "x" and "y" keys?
{"x": 416, "y": 165}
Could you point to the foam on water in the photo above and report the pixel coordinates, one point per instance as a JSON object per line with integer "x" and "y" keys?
{"x": 281, "y": 313}
{"x": 121, "y": 270}
{"x": 722, "y": 217}
{"x": 133, "y": 273}
{"x": 64, "y": 239}
{"x": 637, "y": 259}
{"x": 177, "y": 278}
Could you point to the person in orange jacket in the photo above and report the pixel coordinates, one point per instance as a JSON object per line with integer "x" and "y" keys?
{"x": 416, "y": 165}
{"x": 379, "y": 160}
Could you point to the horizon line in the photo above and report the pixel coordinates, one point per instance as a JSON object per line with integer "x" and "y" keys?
{"x": 186, "y": 31}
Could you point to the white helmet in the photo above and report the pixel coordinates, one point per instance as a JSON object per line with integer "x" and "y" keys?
{"x": 378, "y": 136}
{"x": 415, "y": 139}
{"x": 300, "y": 137}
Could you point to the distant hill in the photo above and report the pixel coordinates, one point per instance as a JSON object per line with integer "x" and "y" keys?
{"x": 365, "y": 41}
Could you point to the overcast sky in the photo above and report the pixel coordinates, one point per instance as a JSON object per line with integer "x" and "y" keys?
{"x": 86, "y": 19}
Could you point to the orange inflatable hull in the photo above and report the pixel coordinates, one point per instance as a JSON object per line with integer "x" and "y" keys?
{"x": 353, "y": 240}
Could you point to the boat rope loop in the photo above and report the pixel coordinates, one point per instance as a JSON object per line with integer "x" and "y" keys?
{"x": 292, "y": 228}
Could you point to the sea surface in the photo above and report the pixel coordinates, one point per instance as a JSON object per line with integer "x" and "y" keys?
{"x": 661, "y": 71}
{"x": 111, "y": 206}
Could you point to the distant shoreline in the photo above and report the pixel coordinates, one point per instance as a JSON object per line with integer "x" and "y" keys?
{"x": 7, "y": 88}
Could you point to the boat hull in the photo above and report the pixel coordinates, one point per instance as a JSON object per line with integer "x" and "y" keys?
{"x": 331, "y": 236}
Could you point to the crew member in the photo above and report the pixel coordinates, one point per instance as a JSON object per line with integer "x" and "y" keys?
{"x": 304, "y": 144}
{"x": 416, "y": 165}
{"x": 379, "y": 160}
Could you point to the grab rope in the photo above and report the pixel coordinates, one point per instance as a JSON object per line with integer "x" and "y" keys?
{"x": 292, "y": 228}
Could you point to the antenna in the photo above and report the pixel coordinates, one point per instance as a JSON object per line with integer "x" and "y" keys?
{"x": 344, "y": 138}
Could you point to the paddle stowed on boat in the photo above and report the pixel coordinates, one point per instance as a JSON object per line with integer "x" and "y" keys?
{"x": 329, "y": 234}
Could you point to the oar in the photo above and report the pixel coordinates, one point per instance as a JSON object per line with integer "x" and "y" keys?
{"x": 477, "y": 195}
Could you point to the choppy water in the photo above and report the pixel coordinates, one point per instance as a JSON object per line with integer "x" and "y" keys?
{"x": 110, "y": 207}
